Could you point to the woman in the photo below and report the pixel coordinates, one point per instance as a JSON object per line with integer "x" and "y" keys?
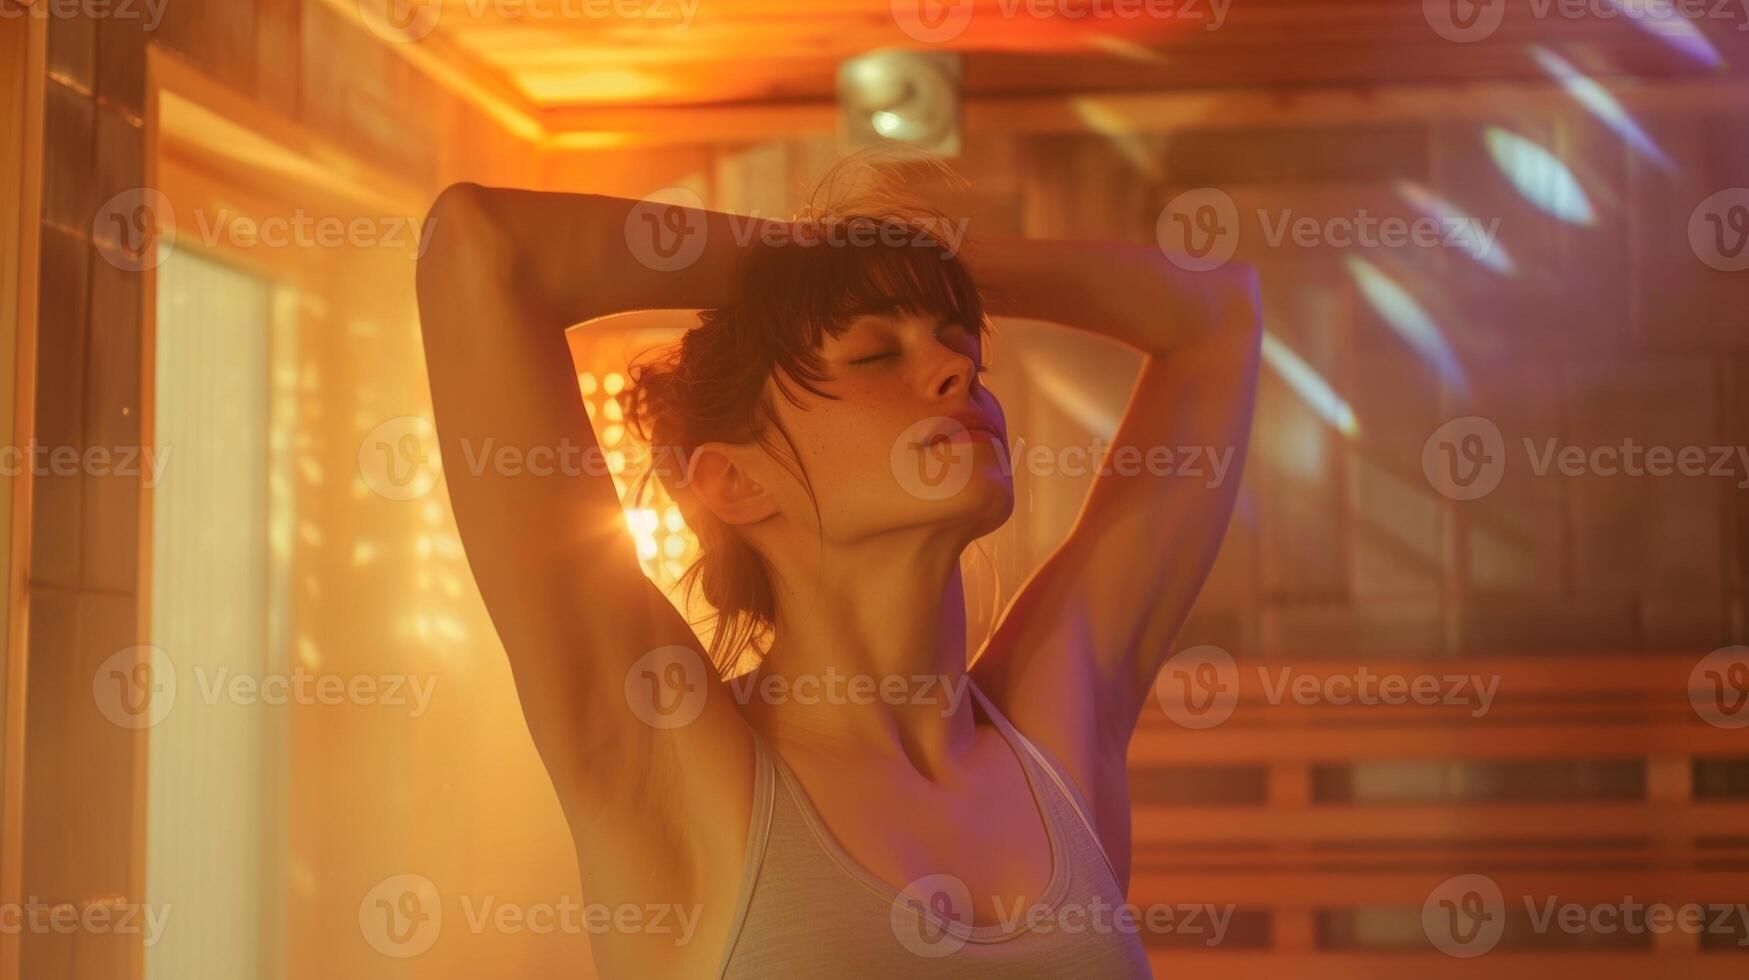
{"x": 828, "y": 434}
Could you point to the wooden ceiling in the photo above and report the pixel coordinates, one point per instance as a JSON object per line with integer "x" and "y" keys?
{"x": 568, "y": 58}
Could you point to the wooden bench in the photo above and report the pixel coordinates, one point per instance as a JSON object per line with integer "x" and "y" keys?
{"x": 1292, "y": 858}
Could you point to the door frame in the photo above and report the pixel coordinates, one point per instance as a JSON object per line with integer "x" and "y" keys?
{"x": 23, "y": 66}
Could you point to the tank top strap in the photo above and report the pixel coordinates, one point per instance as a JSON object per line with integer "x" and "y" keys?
{"x": 1067, "y": 789}
{"x": 758, "y": 835}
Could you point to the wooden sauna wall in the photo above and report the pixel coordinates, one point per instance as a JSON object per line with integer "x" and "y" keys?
{"x": 300, "y": 60}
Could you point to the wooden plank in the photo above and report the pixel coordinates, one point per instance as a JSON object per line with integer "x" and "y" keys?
{"x": 23, "y": 55}
{"x": 1523, "y": 674}
{"x": 1572, "y": 706}
{"x": 1166, "y": 855}
{"x": 1133, "y": 112}
{"x": 448, "y": 66}
{"x": 61, "y": 336}
{"x": 1497, "y": 965}
{"x": 69, "y": 136}
{"x": 216, "y": 35}
{"x": 1491, "y": 739}
{"x": 121, "y": 64}
{"x": 73, "y": 51}
{"x": 1553, "y": 822}
{"x": 202, "y": 119}
{"x": 1293, "y": 889}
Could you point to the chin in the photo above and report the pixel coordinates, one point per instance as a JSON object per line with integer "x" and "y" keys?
{"x": 986, "y": 503}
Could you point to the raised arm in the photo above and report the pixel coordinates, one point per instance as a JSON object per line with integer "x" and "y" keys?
{"x": 502, "y": 276}
{"x": 1077, "y": 651}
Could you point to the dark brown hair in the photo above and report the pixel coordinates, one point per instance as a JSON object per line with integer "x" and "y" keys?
{"x": 789, "y": 294}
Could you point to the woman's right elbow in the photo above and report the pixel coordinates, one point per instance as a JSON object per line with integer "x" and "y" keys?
{"x": 458, "y": 209}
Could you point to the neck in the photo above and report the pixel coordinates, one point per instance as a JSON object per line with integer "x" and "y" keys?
{"x": 869, "y": 656}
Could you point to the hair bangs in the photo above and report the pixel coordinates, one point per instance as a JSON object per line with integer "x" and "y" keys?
{"x": 814, "y": 289}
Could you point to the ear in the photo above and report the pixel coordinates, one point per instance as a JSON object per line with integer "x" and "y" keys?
{"x": 719, "y": 474}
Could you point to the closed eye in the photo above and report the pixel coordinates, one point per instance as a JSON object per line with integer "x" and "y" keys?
{"x": 875, "y": 357}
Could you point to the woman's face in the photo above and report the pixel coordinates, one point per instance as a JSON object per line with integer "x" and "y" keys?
{"x": 913, "y": 439}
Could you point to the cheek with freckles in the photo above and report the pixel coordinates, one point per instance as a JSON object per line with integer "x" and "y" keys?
{"x": 846, "y": 447}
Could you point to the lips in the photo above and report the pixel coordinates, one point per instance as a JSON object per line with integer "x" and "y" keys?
{"x": 964, "y": 425}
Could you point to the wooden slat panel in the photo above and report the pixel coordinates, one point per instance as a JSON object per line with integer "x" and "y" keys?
{"x": 1498, "y": 965}
{"x": 1326, "y": 890}
{"x": 1493, "y": 739}
{"x": 1594, "y": 706}
{"x": 65, "y": 273}
{"x": 1554, "y": 822}
{"x": 1168, "y": 858}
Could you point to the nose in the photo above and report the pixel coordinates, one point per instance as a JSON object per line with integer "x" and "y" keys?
{"x": 956, "y": 372}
